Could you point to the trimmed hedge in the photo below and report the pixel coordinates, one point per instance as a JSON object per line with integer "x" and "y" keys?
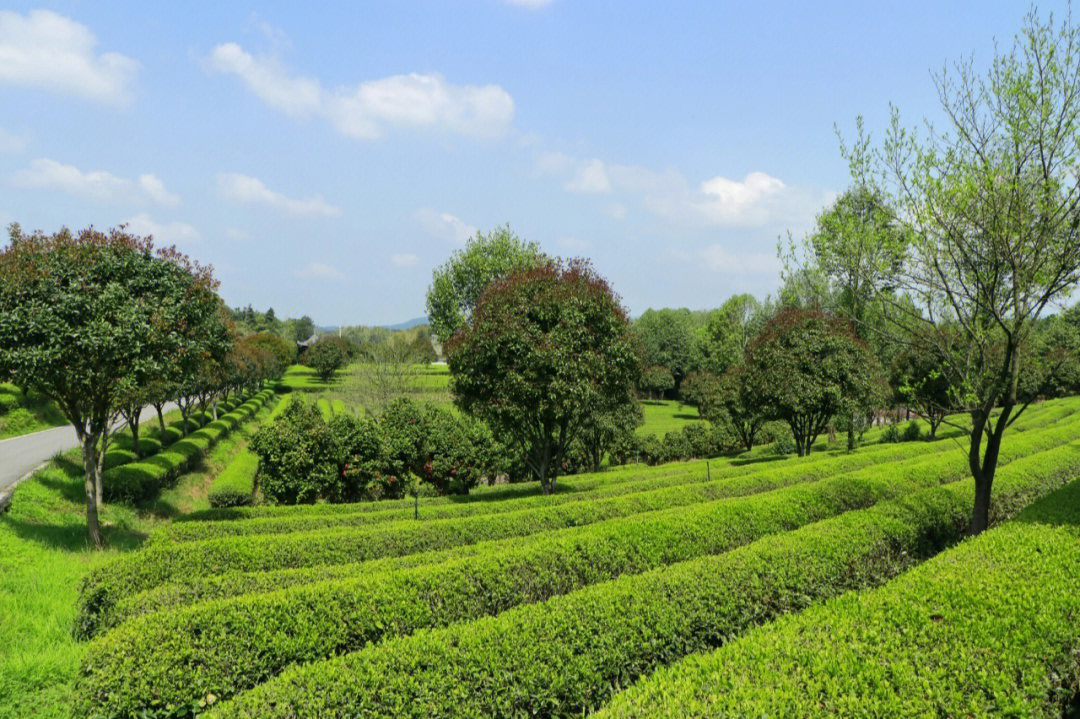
{"x": 102, "y": 587}
{"x": 391, "y": 511}
{"x": 987, "y": 629}
{"x": 338, "y": 545}
{"x": 139, "y": 481}
{"x": 222, "y": 647}
{"x": 567, "y": 656}
{"x": 787, "y": 473}
{"x": 235, "y": 485}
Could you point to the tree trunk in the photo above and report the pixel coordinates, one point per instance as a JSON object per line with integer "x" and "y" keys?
{"x": 133, "y": 425}
{"x": 91, "y": 482}
{"x": 980, "y": 518}
{"x": 851, "y": 433}
{"x": 161, "y": 421}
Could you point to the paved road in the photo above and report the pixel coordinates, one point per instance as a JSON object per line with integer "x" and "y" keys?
{"x": 19, "y": 455}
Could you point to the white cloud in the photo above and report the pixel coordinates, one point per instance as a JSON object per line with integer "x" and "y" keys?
{"x": 404, "y": 260}
{"x": 318, "y": 271}
{"x": 719, "y": 259}
{"x": 46, "y": 174}
{"x": 251, "y": 190}
{"x": 155, "y": 190}
{"x": 367, "y": 110}
{"x": 444, "y": 226}
{"x": 173, "y": 233}
{"x": 47, "y": 50}
{"x": 590, "y": 178}
{"x": 757, "y": 200}
{"x": 235, "y": 233}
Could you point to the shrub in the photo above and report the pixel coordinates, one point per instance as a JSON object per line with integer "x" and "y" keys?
{"x": 912, "y": 432}
{"x": 566, "y": 656}
{"x": 783, "y": 444}
{"x": 299, "y": 457}
{"x": 139, "y": 481}
{"x": 102, "y": 587}
{"x": 235, "y": 485}
{"x": 228, "y": 646}
{"x": 986, "y": 629}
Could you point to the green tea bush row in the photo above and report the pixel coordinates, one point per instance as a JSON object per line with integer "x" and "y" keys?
{"x": 222, "y": 647}
{"x": 987, "y": 629}
{"x": 793, "y": 471}
{"x": 235, "y": 485}
{"x": 139, "y": 481}
{"x": 1037, "y": 415}
{"x": 132, "y": 573}
{"x": 337, "y": 545}
{"x": 568, "y": 655}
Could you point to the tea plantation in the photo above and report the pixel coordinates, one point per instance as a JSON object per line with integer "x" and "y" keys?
{"x": 686, "y": 589}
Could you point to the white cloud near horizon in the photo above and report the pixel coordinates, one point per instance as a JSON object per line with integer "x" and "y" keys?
{"x": 180, "y": 234}
{"x": 367, "y": 110}
{"x": 99, "y": 185}
{"x": 444, "y": 226}
{"x": 318, "y": 271}
{"x": 249, "y": 190}
{"x": 757, "y": 200}
{"x": 47, "y": 50}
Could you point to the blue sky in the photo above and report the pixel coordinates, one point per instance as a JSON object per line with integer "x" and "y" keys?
{"x": 325, "y": 157}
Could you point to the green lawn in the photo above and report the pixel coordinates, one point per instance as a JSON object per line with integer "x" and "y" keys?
{"x": 24, "y": 413}
{"x": 666, "y": 415}
{"x": 431, "y": 383}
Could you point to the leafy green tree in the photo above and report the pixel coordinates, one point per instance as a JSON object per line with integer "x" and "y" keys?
{"x": 303, "y": 328}
{"x": 422, "y": 351}
{"x": 805, "y": 368}
{"x": 735, "y": 403}
{"x": 326, "y": 356}
{"x": 699, "y": 388}
{"x": 545, "y": 350}
{"x": 656, "y": 381}
{"x": 990, "y": 207}
{"x": 282, "y": 353}
{"x": 728, "y": 331}
{"x": 458, "y": 283}
{"x": 919, "y": 383}
{"x": 87, "y": 318}
{"x": 667, "y": 340}
{"x": 604, "y": 430}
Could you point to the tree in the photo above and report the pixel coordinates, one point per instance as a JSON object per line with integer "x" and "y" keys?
{"x": 656, "y": 381}
{"x": 854, "y": 250}
{"x": 458, "y": 283}
{"x": 736, "y": 402}
{"x": 87, "y": 318}
{"x": 326, "y": 356}
{"x": 303, "y": 329}
{"x": 805, "y": 368}
{"x": 699, "y": 388}
{"x": 544, "y": 351}
{"x": 386, "y": 371}
{"x": 282, "y": 352}
{"x": 991, "y": 208}
{"x": 422, "y": 351}
{"x": 919, "y": 383}
{"x": 607, "y": 428}
{"x": 667, "y": 340}
{"x": 728, "y": 331}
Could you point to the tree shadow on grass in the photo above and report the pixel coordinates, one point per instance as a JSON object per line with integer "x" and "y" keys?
{"x": 72, "y": 537}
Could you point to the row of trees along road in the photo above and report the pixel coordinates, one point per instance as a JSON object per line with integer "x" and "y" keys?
{"x": 103, "y": 324}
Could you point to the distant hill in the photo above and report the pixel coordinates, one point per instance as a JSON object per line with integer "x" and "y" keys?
{"x": 408, "y": 324}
